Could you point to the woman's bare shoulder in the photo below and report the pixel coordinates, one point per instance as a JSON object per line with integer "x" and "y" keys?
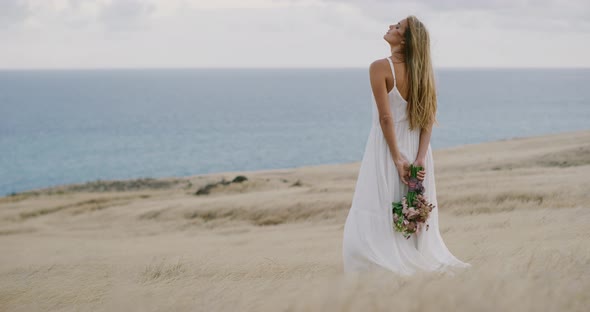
{"x": 378, "y": 66}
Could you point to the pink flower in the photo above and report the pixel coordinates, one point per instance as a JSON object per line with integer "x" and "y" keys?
{"x": 412, "y": 213}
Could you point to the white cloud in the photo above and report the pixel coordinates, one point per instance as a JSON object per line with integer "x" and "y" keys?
{"x": 13, "y": 11}
{"x": 558, "y": 15}
{"x": 286, "y": 33}
{"x": 120, "y": 14}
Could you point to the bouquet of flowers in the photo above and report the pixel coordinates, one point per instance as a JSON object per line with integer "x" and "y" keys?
{"x": 411, "y": 213}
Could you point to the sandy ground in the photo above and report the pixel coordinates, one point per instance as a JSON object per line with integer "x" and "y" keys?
{"x": 517, "y": 210}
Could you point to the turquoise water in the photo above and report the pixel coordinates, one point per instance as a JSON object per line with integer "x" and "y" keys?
{"x": 59, "y": 127}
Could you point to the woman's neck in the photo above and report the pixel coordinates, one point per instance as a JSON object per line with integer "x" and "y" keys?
{"x": 396, "y": 54}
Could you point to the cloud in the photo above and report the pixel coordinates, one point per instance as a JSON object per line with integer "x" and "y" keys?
{"x": 13, "y": 11}
{"x": 285, "y": 33}
{"x": 76, "y": 14}
{"x": 125, "y": 14}
{"x": 532, "y": 15}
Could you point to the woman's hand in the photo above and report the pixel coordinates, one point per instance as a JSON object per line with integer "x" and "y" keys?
{"x": 403, "y": 168}
{"x": 420, "y": 162}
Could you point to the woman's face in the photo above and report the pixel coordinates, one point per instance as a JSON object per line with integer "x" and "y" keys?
{"x": 395, "y": 34}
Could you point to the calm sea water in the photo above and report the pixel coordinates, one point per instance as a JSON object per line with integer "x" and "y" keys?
{"x": 59, "y": 127}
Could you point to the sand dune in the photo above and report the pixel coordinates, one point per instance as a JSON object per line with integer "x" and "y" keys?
{"x": 517, "y": 210}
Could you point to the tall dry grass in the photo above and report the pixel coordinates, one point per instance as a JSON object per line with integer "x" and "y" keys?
{"x": 517, "y": 210}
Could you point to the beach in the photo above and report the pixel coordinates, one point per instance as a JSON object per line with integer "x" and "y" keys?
{"x": 270, "y": 240}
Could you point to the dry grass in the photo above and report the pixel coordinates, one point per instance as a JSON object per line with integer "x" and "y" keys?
{"x": 516, "y": 210}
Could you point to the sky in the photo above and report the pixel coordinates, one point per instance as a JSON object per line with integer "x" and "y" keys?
{"x": 287, "y": 33}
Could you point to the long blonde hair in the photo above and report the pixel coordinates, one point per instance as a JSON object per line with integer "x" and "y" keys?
{"x": 422, "y": 102}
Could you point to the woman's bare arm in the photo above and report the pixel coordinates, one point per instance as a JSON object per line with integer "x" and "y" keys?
{"x": 425, "y": 135}
{"x": 420, "y": 161}
{"x": 377, "y": 77}
{"x": 377, "y": 72}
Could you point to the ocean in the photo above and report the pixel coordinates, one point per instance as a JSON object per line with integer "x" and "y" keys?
{"x": 73, "y": 126}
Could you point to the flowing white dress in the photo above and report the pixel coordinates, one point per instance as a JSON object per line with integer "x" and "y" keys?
{"x": 369, "y": 240}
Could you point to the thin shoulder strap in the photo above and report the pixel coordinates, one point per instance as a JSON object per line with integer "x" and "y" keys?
{"x": 392, "y": 70}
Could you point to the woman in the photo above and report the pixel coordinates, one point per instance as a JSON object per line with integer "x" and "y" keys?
{"x": 400, "y": 132}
